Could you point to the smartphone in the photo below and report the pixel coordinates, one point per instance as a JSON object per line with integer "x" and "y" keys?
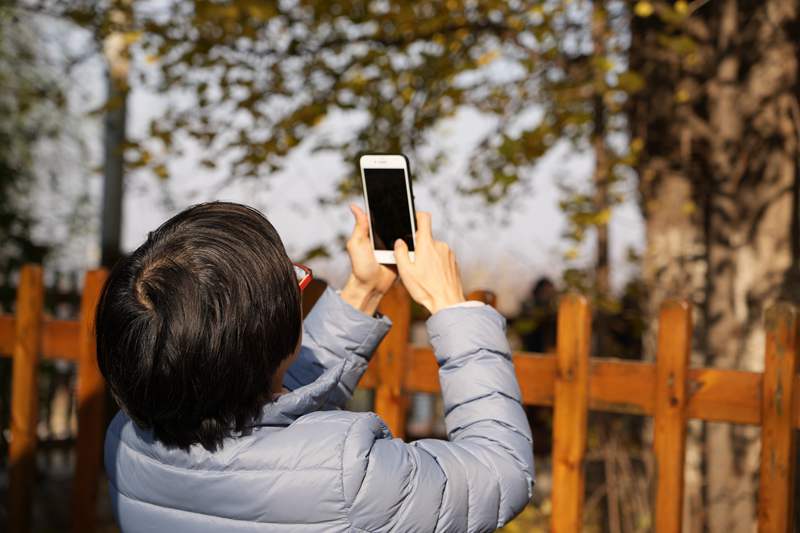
{"x": 390, "y": 204}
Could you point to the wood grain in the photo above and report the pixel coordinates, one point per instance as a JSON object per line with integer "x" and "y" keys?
{"x": 24, "y": 397}
{"x": 571, "y": 405}
{"x": 91, "y": 412}
{"x": 671, "y": 406}
{"x": 778, "y": 457}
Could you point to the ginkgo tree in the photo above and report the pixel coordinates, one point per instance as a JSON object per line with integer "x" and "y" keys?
{"x": 254, "y": 79}
{"x": 249, "y": 80}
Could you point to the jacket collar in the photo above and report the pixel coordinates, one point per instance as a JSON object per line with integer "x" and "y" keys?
{"x": 288, "y": 407}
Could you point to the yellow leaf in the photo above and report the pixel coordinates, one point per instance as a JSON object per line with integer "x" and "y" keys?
{"x": 161, "y": 172}
{"x": 261, "y": 11}
{"x": 603, "y": 63}
{"x": 689, "y": 208}
{"x": 132, "y": 37}
{"x": 150, "y": 59}
{"x": 643, "y": 9}
{"x": 488, "y": 57}
{"x": 602, "y": 218}
{"x": 516, "y": 23}
{"x": 630, "y": 81}
{"x": 682, "y": 7}
{"x": 359, "y": 79}
{"x": 637, "y": 144}
{"x": 682, "y": 96}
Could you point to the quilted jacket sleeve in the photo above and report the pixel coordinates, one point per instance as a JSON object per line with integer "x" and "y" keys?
{"x": 336, "y": 334}
{"x": 483, "y": 476}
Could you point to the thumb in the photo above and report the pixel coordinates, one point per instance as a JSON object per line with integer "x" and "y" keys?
{"x": 360, "y": 229}
{"x": 401, "y": 255}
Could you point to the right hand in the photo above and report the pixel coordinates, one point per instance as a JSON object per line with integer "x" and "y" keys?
{"x": 432, "y": 279}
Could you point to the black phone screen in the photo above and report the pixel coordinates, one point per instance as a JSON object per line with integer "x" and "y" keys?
{"x": 387, "y": 196}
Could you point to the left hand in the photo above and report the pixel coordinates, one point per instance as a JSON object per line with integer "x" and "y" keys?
{"x": 369, "y": 280}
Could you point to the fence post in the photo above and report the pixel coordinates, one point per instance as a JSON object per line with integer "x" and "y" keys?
{"x": 91, "y": 412}
{"x": 671, "y": 401}
{"x": 776, "y": 480}
{"x": 24, "y": 397}
{"x": 392, "y": 355}
{"x": 571, "y": 403}
{"x": 487, "y": 297}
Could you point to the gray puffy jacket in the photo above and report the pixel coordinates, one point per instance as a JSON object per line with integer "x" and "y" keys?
{"x": 308, "y": 466}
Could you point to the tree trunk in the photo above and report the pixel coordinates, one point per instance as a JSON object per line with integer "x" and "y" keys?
{"x": 672, "y": 265}
{"x": 753, "y": 157}
{"x": 601, "y": 162}
{"x": 719, "y": 182}
{"x": 116, "y": 54}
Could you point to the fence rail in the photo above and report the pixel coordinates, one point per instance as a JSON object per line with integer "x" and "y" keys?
{"x": 570, "y": 381}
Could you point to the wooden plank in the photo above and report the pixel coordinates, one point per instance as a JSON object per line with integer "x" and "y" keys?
{"x": 615, "y": 386}
{"x": 391, "y": 360}
{"x": 60, "y": 338}
{"x": 24, "y": 397}
{"x": 619, "y": 386}
{"x": 536, "y": 375}
{"x": 7, "y": 335}
{"x": 370, "y": 378}
{"x": 671, "y": 406}
{"x": 776, "y": 479}
{"x": 91, "y": 412}
{"x": 422, "y": 372}
{"x": 570, "y": 413}
{"x": 725, "y": 395}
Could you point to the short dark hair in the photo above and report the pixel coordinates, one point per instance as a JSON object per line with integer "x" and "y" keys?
{"x": 192, "y": 326}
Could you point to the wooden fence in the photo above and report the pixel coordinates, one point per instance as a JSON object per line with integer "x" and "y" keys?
{"x": 570, "y": 381}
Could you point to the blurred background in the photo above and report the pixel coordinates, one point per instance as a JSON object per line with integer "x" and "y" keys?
{"x": 630, "y": 150}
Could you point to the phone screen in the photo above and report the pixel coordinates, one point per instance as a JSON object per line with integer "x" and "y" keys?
{"x": 388, "y": 207}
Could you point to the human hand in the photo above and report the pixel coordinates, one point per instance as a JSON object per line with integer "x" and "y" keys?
{"x": 432, "y": 279}
{"x": 369, "y": 279}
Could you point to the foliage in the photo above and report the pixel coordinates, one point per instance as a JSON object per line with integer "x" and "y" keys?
{"x": 255, "y": 79}
{"x": 30, "y": 98}
{"x": 249, "y": 81}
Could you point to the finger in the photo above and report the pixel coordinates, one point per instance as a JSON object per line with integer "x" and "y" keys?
{"x": 424, "y": 225}
{"x": 401, "y": 256}
{"x": 361, "y": 229}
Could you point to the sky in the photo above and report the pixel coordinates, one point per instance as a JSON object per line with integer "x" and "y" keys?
{"x": 505, "y": 248}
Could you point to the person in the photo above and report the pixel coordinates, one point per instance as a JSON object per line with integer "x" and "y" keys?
{"x": 231, "y": 405}
{"x": 538, "y": 317}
